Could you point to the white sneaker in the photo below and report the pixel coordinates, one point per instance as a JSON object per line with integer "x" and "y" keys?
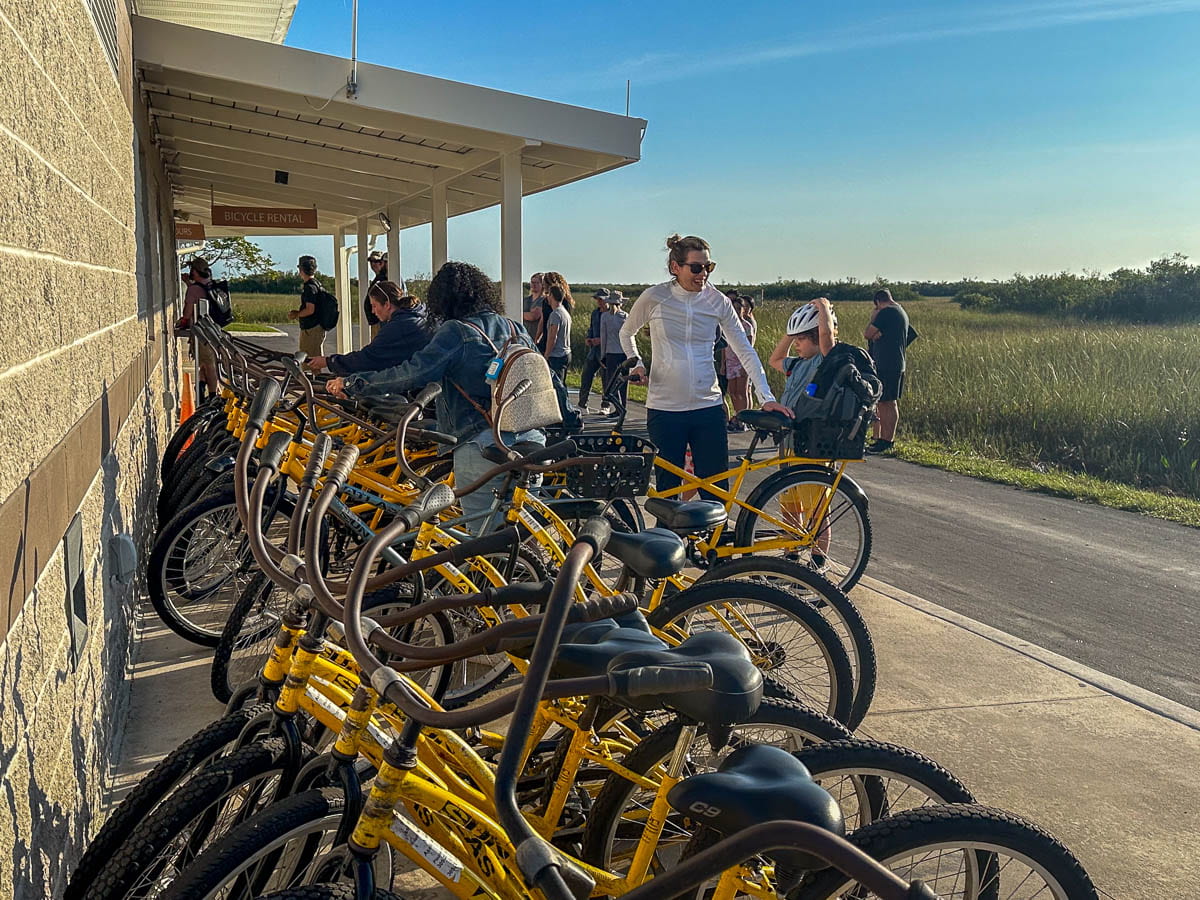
{"x": 606, "y": 410}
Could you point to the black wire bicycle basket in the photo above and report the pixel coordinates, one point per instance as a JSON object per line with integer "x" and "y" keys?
{"x": 628, "y": 461}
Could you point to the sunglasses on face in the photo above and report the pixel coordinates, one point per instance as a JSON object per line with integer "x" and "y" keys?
{"x": 697, "y": 268}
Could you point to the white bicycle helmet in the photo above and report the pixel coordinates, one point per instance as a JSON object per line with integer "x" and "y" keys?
{"x": 806, "y": 318}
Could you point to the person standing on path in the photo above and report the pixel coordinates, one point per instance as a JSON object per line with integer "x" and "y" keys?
{"x": 198, "y": 277}
{"x": 889, "y": 334}
{"x": 379, "y": 268}
{"x": 531, "y": 306}
{"x": 592, "y": 360}
{"x": 684, "y": 407}
{"x": 558, "y": 332}
{"x": 611, "y": 354}
{"x": 312, "y": 335}
{"x": 736, "y": 380}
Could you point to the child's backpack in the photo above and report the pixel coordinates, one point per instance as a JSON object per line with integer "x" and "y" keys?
{"x": 833, "y": 422}
{"x": 219, "y": 308}
{"x": 327, "y": 309}
{"x": 513, "y": 363}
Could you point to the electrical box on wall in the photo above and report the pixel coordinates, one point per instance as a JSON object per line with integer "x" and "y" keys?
{"x": 76, "y": 598}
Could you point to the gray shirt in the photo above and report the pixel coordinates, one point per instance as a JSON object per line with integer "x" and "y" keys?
{"x": 562, "y": 341}
{"x": 610, "y": 332}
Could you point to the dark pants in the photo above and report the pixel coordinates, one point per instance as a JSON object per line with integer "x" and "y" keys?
{"x": 558, "y": 365}
{"x": 591, "y": 365}
{"x": 700, "y": 430}
{"x": 612, "y": 362}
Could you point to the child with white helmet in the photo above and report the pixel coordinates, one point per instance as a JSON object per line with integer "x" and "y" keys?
{"x": 812, "y": 333}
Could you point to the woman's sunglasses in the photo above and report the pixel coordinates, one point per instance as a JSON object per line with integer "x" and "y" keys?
{"x": 697, "y": 268}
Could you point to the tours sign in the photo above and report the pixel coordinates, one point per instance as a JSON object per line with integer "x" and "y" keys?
{"x": 189, "y": 231}
{"x": 251, "y": 217}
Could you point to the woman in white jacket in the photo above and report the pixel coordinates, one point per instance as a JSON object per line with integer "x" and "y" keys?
{"x": 684, "y": 407}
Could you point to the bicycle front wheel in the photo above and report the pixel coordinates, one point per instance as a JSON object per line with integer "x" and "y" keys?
{"x": 786, "y": 636}
{"x": 823, "y": 526}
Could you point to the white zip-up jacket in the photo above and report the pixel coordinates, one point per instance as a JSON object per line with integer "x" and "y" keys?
{"x": 683, "y": 327}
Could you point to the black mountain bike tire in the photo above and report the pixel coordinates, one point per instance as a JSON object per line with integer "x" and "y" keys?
{"x": 171, "y": 596}
{"x": 837, "y": 701}
{"x": 137, "y": 863}
{"x": 980, "y": 826}
{"x": 831, "y": 601}
{"x": 203, "y": 746}
{"x": 850, "y": 508}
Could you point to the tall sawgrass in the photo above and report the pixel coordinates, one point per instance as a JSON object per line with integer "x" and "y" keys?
{"x": 1121, "y": 402}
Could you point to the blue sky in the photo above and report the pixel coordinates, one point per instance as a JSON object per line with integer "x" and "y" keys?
{"x": 910, "y": 140}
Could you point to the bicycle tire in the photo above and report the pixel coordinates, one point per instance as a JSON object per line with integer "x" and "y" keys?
{"x": 185, "y": 471}
{"x": 261, "y": 840}
{"x": 198, "y": 567}
{"x": 178, "y": 441}
{"x": 155, "y": 785}
{"x": 827, "y": 686}
{"x": 982, "y": 832}
{"x": 848, "y": 507}
{"x": 831, "y": 601}
{"x": 149, "y": 854}
{"x": 328, "y": 892}
{"x": 617, "y": 792}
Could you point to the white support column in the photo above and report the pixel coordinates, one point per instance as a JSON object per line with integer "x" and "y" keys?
{"x": 510, "y": 234}
{"x": 439, "y": 228}
{"x": 364, "y": 281}
{"x": 395, "y": 273}
{"x": 345, "y": 332}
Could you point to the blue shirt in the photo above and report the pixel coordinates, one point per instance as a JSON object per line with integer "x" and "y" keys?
{"x": 800, "y": 374}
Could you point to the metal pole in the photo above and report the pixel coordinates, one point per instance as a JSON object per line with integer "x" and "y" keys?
{"x": 627, "y": 83}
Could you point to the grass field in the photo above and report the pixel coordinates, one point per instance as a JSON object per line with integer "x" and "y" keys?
{"x": 1120, "y": 403}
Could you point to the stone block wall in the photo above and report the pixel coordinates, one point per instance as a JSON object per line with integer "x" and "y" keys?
{"x": 86, "y": 271}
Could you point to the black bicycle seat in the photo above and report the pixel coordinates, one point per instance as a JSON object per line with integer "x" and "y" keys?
{"x": 737, "y": 685}
{"x": 587, "y": 648}
{"x": 654, "y": 553}
{"x": 494, "y": 454}
{"x": 686, "y": 517}
{"x": 756, "y": 784}
{"x": 761, "y": 420}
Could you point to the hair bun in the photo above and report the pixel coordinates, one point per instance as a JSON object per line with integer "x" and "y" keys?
{"x": 673, "y": 241}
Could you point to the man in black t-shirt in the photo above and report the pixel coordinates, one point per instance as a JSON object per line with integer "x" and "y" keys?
{"x": 889, "y": 336}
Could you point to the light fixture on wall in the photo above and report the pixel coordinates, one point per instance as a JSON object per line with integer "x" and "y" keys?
{"x": 385, "y": 221}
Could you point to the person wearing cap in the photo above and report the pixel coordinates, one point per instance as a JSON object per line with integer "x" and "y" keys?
{"x": 379, "y": 267}
{"x": 889, "y": 333}
{"x": 611, "y": 354}
{"x": 197, "y": 276}
{"x": 312, "y": 335}
{"x": 591, "y": 360}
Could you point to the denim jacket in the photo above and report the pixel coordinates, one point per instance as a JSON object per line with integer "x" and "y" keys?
{"x": 457, "y": 356}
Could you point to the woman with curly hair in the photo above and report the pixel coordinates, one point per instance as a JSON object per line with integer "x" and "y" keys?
{"x": 462, "y": 305}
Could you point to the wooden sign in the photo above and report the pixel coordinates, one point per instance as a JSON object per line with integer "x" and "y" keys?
{"x": 263, "y": 217}
{"x": 189, "y": 231}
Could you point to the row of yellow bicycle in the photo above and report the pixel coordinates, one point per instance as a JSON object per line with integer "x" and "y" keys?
{"x": 551, "y": 702}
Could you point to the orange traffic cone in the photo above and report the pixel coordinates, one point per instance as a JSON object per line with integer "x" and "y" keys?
{"x": 187, "y": 405}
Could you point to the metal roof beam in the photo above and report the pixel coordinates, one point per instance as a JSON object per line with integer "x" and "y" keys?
{"x": 282, "y": 148}
{"x": 286, "y": 126}
{"x": 239, "y": 92}
{"x": 213, "y": 155}
{"x": 268, "y": 194}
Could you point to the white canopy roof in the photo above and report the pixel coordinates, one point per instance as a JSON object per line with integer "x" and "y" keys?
{"x": 263, "y": 20}
{"x": 247, "y": 123}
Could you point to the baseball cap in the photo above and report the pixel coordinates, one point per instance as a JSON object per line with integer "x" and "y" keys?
{"x": 376, "y": 256}
{"x": 602, "y": 294}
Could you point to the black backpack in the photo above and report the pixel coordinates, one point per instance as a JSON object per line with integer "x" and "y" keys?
{"x": 832, "y": 424}
{"x": 327, "y": 309}
{"x": 219, "y": 308}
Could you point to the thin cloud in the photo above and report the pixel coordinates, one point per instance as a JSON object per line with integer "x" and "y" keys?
{"x": 914, "y": 27}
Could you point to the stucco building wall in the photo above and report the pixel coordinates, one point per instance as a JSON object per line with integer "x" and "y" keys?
{"x": 87, "y": 284}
